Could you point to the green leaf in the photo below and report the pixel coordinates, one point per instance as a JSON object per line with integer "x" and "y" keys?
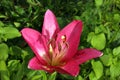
{"x": 97, "y": 68}
{"x": 1, "y": 24}
{"x": 32, "y": 2}
{"x": 98, "y": 41}
{"x": 115, "y": 70}
{"x": 44, "y": 75}
{"x": 3, "y": 65}
{"x": 100, "y": 29}
{"x": 53, "y": 76}
{"x": 106, "y": 59}
{"x": 117, "y": 17}
{"x": 4, "y": 75}
{"x": 21, "y": 71}
{"x": 10, "y": 33}
{"x": 98, "y": 2}
{"x": 17, "y": 24}
{"x": 1, "y": 30}
{"x": 15, "y": 50}
{"x": 1, "y": 35}
{"x": 68, "y": 77}
{"x": 90, "y": 36}
{"x": 92, "y": 76}
{"x": 19, "y": 10}
{"x": 116, "y": 51}
{"x": 14, "y": 14}
{"x": 80, "y": 78}
{"x": 77, "y": 17}
{"x": 3, "y": 51}
{"x": 37, "y": 77}
{"x": 31, "y": 74}
{"x": 3, "y": 16}
{"x": 107, "y": 72}
{"x": 14, "y": 65}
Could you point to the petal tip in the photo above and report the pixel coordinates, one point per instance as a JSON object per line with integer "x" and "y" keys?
{"x": 48, "y": 12}
{"x": 79, "y": 21}
{"x": 24, "y": 30}
{"x": 28, "y": 67}
{"x": 101, "y": 54}
{"x": 75, "y": 75}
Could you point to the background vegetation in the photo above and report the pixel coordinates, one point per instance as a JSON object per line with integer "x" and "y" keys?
{"x": 101, "y": 20}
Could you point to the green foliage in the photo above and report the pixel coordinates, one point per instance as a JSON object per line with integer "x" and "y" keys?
{"x": 92, "y": 76}
{"x": 98, "y": 2}
{"x": 98, "y": 41}
{"x": 97, "y": 68}
{"x": 116, "y": 51}
{"x": 52, "y": 76}
{"x": 3, "y": 51}
{"x": 106, "y": 59}
{"x": 115, "y": 70}
{"x": 9, "y": 33}
{"x": 101, "y": 19}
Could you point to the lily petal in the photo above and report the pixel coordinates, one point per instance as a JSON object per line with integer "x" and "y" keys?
{"x": 72, "y": 32}
{"x": 87, "y": 54}
{"x": 71, "y": 68}
{"x": 35, "y": 64}
{"x": 35, "y": 41}
{"x": 50, "y": 25}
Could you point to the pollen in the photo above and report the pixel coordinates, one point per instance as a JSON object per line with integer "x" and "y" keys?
{"x": 63, "y": 38}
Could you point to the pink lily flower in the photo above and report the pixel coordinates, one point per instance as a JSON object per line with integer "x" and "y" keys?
{"x": 55, "y": 49}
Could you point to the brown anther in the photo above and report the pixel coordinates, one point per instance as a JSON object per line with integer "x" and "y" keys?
{"x": 63, "y": 38}
{"x": 59, "y": 47}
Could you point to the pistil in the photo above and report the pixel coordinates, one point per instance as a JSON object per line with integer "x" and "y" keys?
{"x": 57, "y": 55}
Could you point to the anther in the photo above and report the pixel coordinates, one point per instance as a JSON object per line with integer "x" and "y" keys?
{"x": 50, "y": 48}
{"x": 63, "y": 38}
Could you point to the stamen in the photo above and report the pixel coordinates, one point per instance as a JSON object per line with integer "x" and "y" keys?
{"x": 59, "y": 47}
{"x": 46, "y": 67}
{"x": 50, "y": 48}
{"x": 50, "y": 52}
{"x": 63, "y": 38}
{"x": 57, "y": 52}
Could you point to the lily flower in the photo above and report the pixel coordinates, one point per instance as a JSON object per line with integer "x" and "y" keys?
{"x": 55, "y": 49}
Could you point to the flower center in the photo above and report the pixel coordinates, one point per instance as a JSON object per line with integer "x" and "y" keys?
{"x": 57, "y": 51}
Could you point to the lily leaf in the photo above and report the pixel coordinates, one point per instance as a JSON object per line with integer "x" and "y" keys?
{"x": 53, "y": 76}
{"x": 98, "y": 2}
{"x": 11, "y": 32}
{"x": 115, "y": 70}
{"x": 97, "y": 68}
{"x": 98, "y": 41}
{"x": 92, "y": 76}
{"x": 106, "y": 59}
{"x": 116, "y": 51}
{"x": 3, "y": 51}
